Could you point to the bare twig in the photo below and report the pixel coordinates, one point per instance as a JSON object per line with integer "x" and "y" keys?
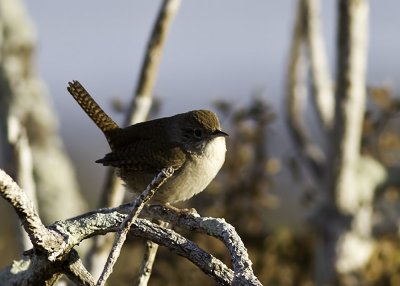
{"x": 296, "y": 99}
{"x": 322, "y": 84}
{"x": 147, "y": 264}
{"x": 141, "y": 103}
{"x": 125, "y": 226}
{"x": 148, "y": 260}
{"x": 77, "y": 272}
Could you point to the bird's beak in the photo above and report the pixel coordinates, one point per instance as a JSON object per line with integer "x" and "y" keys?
{"x": 217, "y": 133}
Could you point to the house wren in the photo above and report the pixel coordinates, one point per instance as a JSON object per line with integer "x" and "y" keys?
{"x": 192, "y": 143}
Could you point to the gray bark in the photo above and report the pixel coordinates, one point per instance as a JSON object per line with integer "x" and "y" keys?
{"x": 54, "y": 253}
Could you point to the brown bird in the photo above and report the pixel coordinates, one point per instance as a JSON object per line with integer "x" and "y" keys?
{"x": 192, "y": 143}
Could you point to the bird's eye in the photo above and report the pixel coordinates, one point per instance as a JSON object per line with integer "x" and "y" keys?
{"x": 198, "y": 133}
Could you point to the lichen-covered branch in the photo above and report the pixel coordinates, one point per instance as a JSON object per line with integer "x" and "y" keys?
{"x": 56, "y": 242}
{"x": 41, "y": 237}
{"x": 216, "y": 227}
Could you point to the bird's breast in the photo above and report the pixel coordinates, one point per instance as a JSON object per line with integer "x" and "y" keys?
{"x": 190, "y": 179}
{"x": 196, "y": 173}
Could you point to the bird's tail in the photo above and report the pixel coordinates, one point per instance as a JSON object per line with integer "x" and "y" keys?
{"x": 90, "y": 106}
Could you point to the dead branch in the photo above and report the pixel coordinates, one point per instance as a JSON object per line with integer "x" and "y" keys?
{"x": 53, "y": 253}
{"x": 41, "y": 237}
{"x": 76, "y": 271}
{"x": 149, "y": 257}
{"x": 216, "y": 227}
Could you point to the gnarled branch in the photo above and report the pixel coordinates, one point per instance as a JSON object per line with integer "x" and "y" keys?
{"x": 106, "y": 220}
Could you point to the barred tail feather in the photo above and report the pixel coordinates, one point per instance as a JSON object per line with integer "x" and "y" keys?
{"x": 90, "y": 106}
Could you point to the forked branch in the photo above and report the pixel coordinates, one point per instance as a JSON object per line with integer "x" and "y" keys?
{"x": 106, "y": 220}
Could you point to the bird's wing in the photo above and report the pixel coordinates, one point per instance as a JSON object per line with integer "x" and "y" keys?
{"x": 144, "y": 155}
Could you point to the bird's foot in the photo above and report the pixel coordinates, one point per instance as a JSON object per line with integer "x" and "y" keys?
{"x": 184, "y": 211}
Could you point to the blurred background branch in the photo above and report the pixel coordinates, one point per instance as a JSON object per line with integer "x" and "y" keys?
{"x": 296, "y": 99}
{"x": 322, "y": 86}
